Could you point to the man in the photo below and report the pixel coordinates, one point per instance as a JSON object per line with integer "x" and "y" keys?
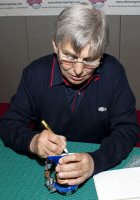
{"x": 81, "y": 92}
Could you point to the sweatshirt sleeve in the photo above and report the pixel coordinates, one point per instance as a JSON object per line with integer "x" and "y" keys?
{"x": 15, "y": 128}
{"x": 123, "y": 125}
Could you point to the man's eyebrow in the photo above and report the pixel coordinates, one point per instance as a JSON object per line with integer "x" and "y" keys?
{"x": 69, "y": 52}
{"x": 65, "y": 51}
{"x": 89, "y": 58}
{"x": 73, "y": 54}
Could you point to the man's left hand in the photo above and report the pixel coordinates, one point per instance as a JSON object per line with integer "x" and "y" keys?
{"x": 75, "y": 168}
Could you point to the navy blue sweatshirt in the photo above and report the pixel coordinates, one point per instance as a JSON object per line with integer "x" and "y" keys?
{"x": 105, "y": 113}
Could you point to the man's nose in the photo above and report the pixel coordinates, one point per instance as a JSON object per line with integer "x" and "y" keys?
{"x": 78, "y": 68}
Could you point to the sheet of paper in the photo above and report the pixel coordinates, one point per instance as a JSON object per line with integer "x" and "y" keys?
{"x": 120, "y": 184}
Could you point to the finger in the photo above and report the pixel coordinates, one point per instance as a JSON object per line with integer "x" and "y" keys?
{"x": 54, "y": 148}
{"x": 57, "y": 139}
{"x": 52, "y": 137}
{"x": 76, "y": 181}
{"x": 71, "y": 158}
{"x": 49, "y": 149}
{"x": 70, "y": 175}
{"x": 68, "y": 167}
{"x": 44, "y": 146}
{"x": 44, "y": 152}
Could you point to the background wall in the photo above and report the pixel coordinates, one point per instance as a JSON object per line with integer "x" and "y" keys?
{"x": 23, "y": 39}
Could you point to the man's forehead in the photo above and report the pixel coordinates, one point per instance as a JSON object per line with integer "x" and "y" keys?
{"x": 85, "y": 50}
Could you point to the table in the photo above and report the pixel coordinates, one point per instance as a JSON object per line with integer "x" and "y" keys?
{"x": 22, "y": 177}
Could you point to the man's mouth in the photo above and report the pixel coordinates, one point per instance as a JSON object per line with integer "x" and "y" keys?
{"x": 75, "y": 78}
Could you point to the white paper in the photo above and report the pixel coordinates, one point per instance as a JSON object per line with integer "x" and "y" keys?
{"x": 120, "y": 184}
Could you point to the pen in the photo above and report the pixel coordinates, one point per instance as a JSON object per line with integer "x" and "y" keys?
{"x": 49, "y": 129}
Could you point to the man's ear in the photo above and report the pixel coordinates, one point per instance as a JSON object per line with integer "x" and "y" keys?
{"x": 54, "y": 47}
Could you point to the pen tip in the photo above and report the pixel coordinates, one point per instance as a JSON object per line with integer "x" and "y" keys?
{"x": 66, "y": 151}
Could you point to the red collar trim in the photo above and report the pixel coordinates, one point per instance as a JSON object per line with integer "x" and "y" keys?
{"x": 66, "y": 82}
{"x": 93, "y": 77}
{"x": 52, "y": 72}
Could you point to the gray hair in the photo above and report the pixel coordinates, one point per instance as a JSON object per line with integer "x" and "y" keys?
{"x": 82, "y": 24}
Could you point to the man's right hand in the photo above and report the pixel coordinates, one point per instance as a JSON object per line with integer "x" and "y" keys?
{"x": 47, "y": 143}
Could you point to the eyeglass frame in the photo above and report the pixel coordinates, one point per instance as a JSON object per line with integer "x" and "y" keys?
{"x": 73, "y": 62}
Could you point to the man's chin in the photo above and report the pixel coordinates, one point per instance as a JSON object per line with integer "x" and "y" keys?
{"x": 76, "y": 81}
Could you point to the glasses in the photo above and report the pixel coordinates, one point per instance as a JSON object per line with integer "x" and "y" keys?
{"x": 71, "y": 61}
